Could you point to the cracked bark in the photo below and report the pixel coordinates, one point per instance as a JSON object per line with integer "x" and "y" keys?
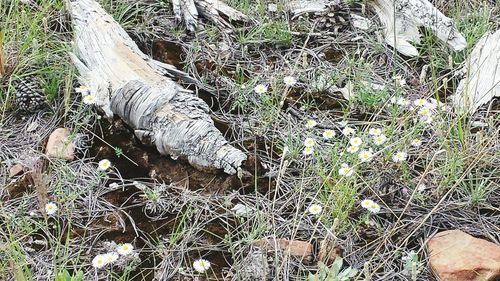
{"x": 131, "y": 85}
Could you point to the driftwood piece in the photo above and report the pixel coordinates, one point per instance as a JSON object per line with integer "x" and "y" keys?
{"x": 482, "y": 75}
{"x": 214, "y": 10}
{"x": 402, "y": 19}
{"x": 129, "y": 84}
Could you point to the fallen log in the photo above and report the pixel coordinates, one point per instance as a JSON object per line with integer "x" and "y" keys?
{"x": 131, "y": 85}
{"x": 481, "y": 82}
{"x": 403, "y": 18}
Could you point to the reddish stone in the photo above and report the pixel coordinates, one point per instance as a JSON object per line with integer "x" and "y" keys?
{"x": 15, "y": 170}
{"x": 295, "y": 248}
{"x": 458, "y": 256}
{"x": 59, "y": 145}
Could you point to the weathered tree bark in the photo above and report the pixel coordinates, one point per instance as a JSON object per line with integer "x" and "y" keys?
{"x": 402, "y": 19}
{"x": 128, "y": 83}
{"x": 213, "y": 10}
{"x": 482, "y": 75}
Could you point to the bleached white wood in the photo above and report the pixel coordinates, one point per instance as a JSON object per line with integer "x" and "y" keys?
{"x": 311, "y": 6}
{"x": 213, "y": 10}
{"x": 481, "y": 82}
{"x": 403, "y": 18}
{"x": 129, "y": 84}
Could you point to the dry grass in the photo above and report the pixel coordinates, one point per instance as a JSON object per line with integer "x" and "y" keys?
{"x": 172, "y": 222}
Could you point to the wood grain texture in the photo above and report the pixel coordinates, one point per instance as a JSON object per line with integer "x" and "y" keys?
{"x": 403, "y": 18}
{"x": 482, "y": 75}
{"x": 129, "y": 84}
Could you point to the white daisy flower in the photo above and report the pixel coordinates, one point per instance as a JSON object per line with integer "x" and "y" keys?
{"x": 425, "y": 112}
{"x": 347, "y": 131}
{"x": 308, "y": 150}
{"x": 99, "y": 261}
{"x": 375, "y": 131}
{"x": 374, "y": 207}
{"x": 399, "y": 157}
{"x": 379, "y": 140}
{"x": 89, "y": 99}
{"x": 104, "y": 164}
{"x": 84, "y": 90}
{"x": 420, "y": 102}
{"x": 111, "y": 257}
{"x": 345, "y": 170}
{"x": 50, "y": 208}
{"x": 416, "y": 142}
{"x": 328, "y": 134}
{"x": 352, "y": 149}
{"x": 400, "y": 101}
{"x": 260, "y": 89}
{"x": 421, "y": 187}
{"x": 365, "y": 155}
{"x": 357, "y": 141}
{"x": 201, "y": 265}
{"x": 309, "y": 142}
{"x": 311, "y": 123}
{"x": 366, "y": 203}
{"x": 289, "y": 80}
{"x": 125, "y": 249}
{"x": 315, "y": 209}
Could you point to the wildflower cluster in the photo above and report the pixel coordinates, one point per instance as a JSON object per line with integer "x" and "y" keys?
{"x": 425, "y": 109}
{"x": 121, "y": 250}
{"x": 370, "y": 206}
{"x": 288, "y": 81}
{"x": 88, "y": 97}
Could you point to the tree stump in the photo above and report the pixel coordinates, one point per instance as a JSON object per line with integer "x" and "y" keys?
{"x": 133, "y": 86}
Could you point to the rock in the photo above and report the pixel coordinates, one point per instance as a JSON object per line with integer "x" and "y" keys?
{"x": 458, "y": 256}
{"x": 59, "y": 145}
{"x": 15, "y": 170}
{"x": 301, "y": 249}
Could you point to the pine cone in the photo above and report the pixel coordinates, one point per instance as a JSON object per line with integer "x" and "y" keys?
{"x": 335, "y": 19}
{"x": 29, "y": 95}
